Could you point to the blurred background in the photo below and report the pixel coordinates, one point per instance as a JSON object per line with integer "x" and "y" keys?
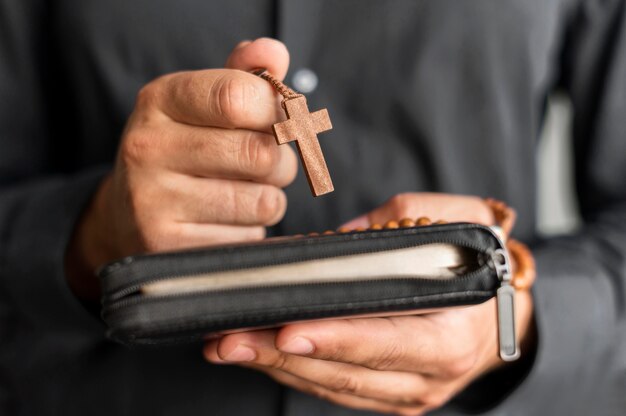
{"x": 558, "y": 211}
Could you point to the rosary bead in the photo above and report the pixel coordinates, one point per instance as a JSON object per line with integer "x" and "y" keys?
{"x": 391, "y": 224}
{"x": 407, "y": 222}
{"x": 423, "y": 221}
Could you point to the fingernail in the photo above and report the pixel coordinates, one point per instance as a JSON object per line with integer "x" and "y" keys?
{"x": 298, "y": 346}
{"x": 241, "y": 353}
{"x": 242, "y": 44}
{"x": 210, "y": 352}
{"x": 361, "y": 221}
{"x": 217, "y": 360}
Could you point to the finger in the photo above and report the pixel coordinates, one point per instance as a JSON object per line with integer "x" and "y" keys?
{"x": 262, "y": 53}
{"x": 214, "y": 98}
{"x": 408, "y": 343}
{"x": 393, "y": 387}
{"x": 341, "y": 399}
{"x": 181, "y": 236}
{"x": 241, "y": 44}
{"x": 210, "y": 234}
{"x": 218, "y": 201}
{"x": 222, "y": 153}
{"x": 451, "y": 208}
{"x": 210, "y": 352}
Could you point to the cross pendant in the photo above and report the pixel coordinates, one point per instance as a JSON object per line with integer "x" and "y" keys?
{"x": 303, "y": 127}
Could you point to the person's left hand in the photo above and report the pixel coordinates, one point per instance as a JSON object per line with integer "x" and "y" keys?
{"x": 405, "y": 364}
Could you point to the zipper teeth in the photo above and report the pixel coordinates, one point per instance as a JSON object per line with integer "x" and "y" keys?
{"x": 121, "y": 293}
{"x": 111, "y": 267}
{"x": 124, "y": 302}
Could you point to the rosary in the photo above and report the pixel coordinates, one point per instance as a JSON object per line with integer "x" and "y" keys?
{"x": 303, "y": 128}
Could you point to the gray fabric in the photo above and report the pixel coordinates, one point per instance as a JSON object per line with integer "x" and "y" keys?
{"x": 433, "y": 95}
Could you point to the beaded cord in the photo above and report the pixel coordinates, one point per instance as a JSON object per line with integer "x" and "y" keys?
{"x": 525, "y": 269}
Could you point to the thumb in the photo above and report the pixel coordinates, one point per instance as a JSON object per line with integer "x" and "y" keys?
{"x": 390, "y": 210}
{"x": 267, "y": 53}
{"x": 434, "y": 206}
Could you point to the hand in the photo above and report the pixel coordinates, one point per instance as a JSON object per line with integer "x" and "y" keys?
{"x": 406, "y": 364}
{"x": 196, "y": 166}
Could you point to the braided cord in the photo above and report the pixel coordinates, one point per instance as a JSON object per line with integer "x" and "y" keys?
{"x": 279, "y": 86}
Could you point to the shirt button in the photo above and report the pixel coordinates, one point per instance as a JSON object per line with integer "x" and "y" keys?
{"x": 304, "y": 80}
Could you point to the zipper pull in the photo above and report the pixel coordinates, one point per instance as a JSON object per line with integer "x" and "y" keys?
{"x": 505, "y": 298}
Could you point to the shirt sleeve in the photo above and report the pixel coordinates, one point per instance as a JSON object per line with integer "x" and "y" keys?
{"x": 580, "y": 365}
{"x": 39, "y": 205}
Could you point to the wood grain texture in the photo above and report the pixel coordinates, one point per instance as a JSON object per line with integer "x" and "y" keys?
{"x": 303, "y": 128}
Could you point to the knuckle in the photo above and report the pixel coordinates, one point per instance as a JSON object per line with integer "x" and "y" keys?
{"x": 409, "y": 394}
{"x": 257, "y": 156}
{"x": 279, "y": 362}
{"x": 232, "y": 96}
{"x": 235, "y": 209}
{"x": 139, "y": 145}
{"x": 409, "y": 400}
{"x": 269, "y": 205}
{"x": 390, "y": 356}
{"x": 346, "y": 383}
{"x": 261, "y": 206}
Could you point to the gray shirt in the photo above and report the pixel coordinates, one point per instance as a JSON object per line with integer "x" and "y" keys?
{"x": 429, "y": 95}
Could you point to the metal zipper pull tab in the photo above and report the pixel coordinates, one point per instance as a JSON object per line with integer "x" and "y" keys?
{"x": 505, "y": 298}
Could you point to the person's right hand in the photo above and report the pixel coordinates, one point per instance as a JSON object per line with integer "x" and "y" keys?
{"x": 196, "y": 166}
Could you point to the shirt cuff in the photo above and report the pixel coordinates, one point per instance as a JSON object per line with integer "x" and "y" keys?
{"x": 41, "y": 220}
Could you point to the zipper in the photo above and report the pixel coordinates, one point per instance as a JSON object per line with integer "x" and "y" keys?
{"x": 112, "y": 294}
{"x": 497, "y": 260}
{"x": 134, "y": 300}
{"x": 135, "y": 286}
{"x": 505, "y": 301}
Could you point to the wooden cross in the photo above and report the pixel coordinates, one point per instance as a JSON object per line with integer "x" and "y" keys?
{"x": 303, "y": 127}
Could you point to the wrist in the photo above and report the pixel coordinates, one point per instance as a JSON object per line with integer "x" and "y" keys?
{"x": 87, "y": 248}
{"x": 498, "y": 379}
